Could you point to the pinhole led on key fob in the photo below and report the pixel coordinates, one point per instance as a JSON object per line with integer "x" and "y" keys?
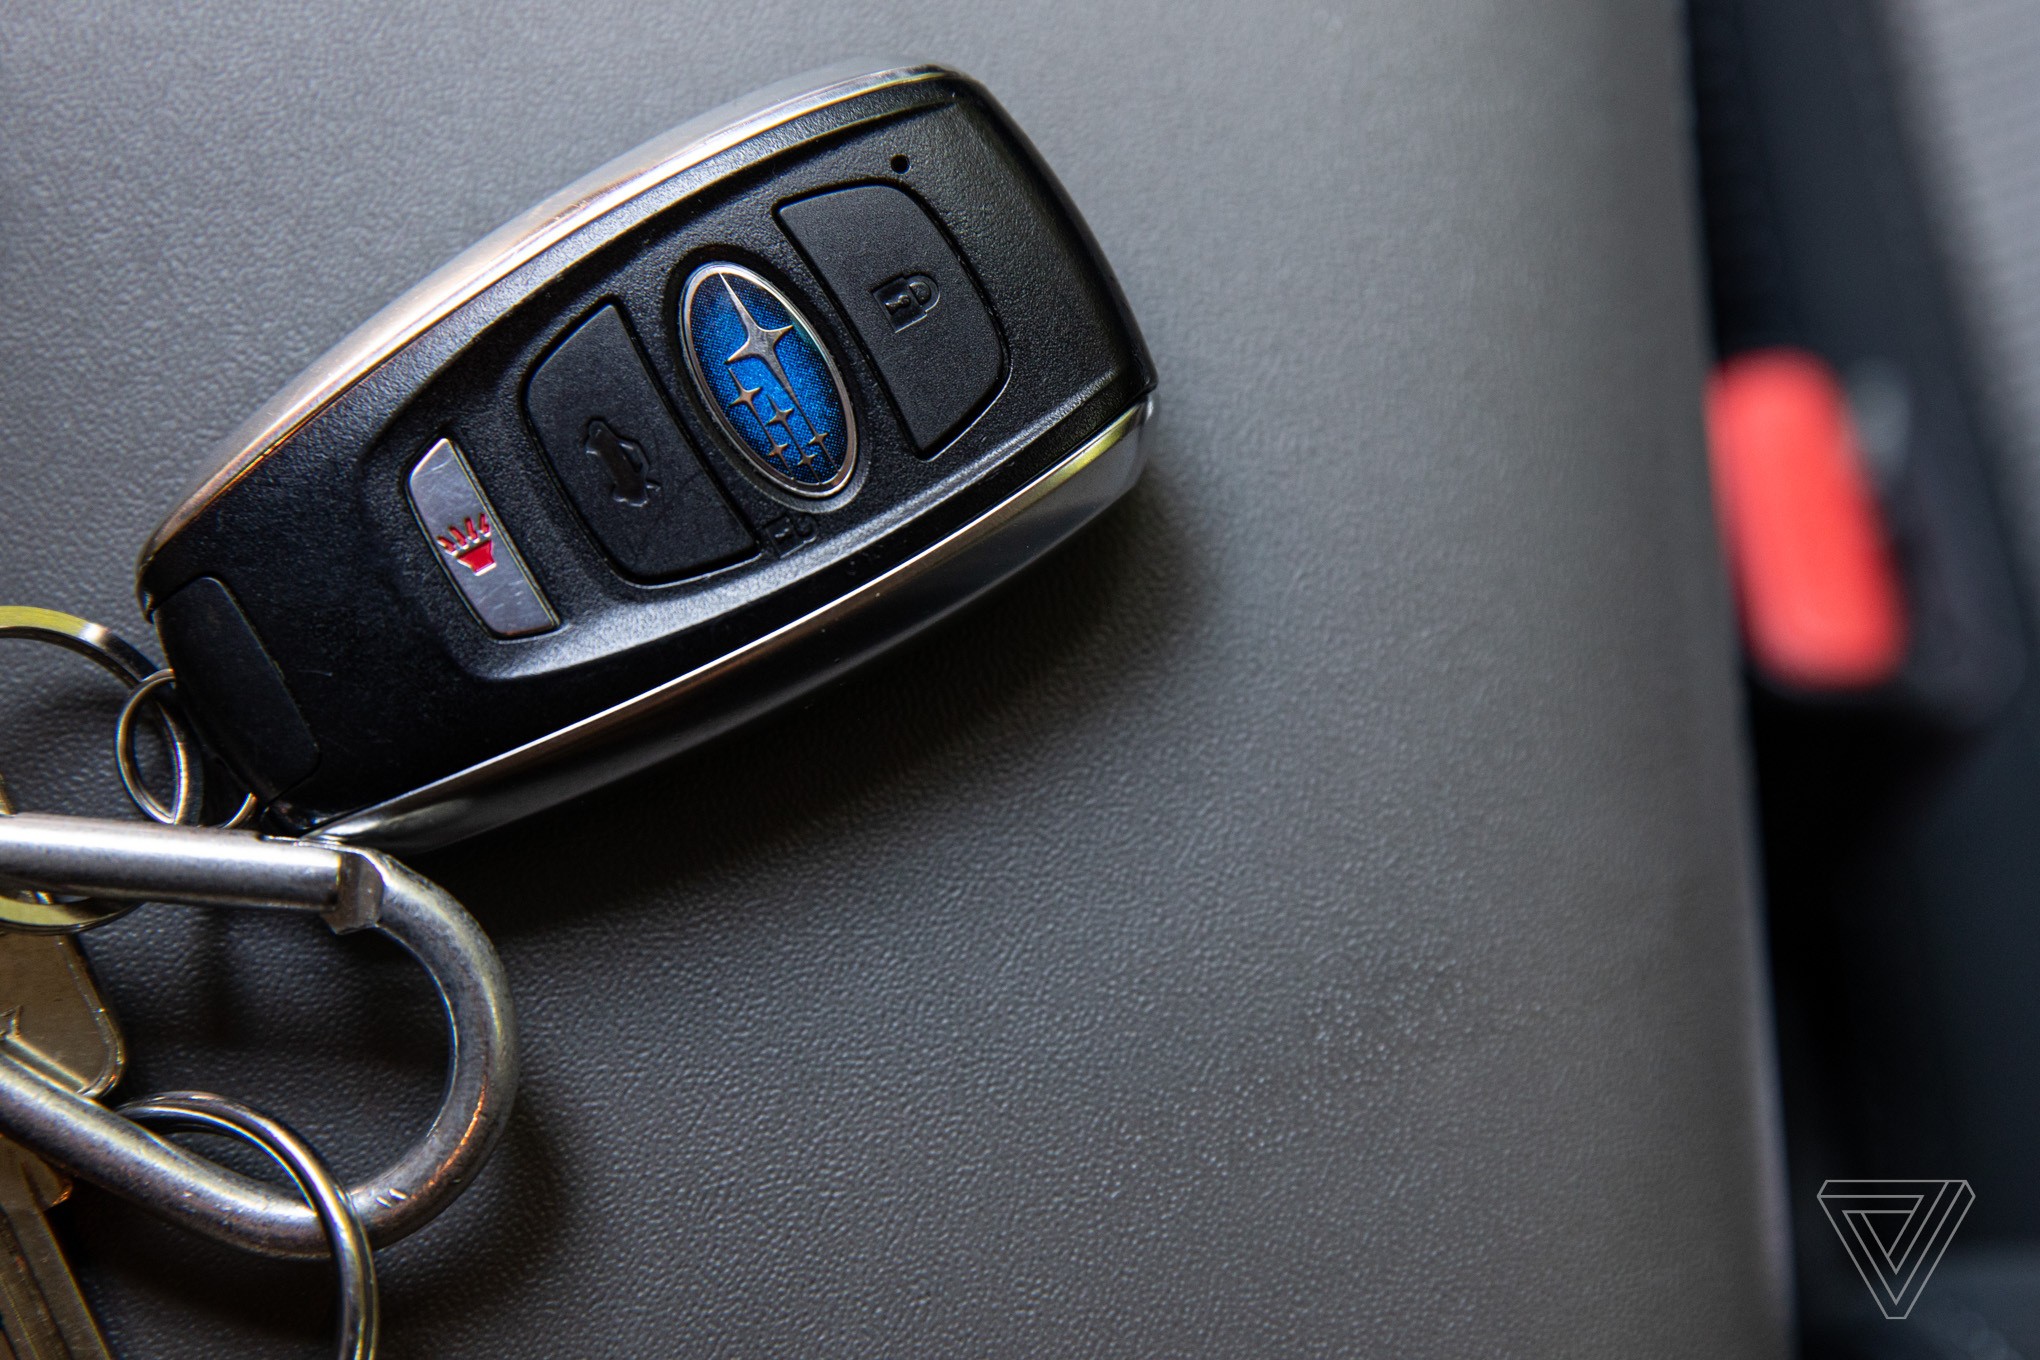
{"x": 733, "y": 413}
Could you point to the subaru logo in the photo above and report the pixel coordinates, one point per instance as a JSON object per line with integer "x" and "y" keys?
{"x": 772, "y": 386}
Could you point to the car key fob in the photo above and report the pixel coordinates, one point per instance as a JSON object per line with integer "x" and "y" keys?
{"x": 701, "y": 431}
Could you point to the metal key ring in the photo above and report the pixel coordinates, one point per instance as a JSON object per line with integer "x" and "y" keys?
{"x": 43, "y": 913}
{"x": 125, "y": 663}
{"x": 360, "y": 1311}
{"x": 124, "y": 756}
{"x": 130, "y": 775}
{"x": 99, "y": 645}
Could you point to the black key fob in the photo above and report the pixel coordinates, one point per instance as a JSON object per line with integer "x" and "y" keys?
{"x": 697, "y": 433}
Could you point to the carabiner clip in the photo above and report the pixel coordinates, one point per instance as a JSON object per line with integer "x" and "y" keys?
{"x": 351, "y": 889}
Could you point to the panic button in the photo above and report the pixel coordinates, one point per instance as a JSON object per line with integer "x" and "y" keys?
{"x": 469, "y": 540}
{"x": 912, "y": 303}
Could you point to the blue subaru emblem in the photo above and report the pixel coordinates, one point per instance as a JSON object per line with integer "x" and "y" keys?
{"x": 774, "y": 390}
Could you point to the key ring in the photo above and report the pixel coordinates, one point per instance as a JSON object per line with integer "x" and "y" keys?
{"x": 125, "y": 663}
{"x": 47, "y": 913}
{"x": 124, "y": 757}
{"x": 130, "y": 775}
{"x": 360, "y": 1311}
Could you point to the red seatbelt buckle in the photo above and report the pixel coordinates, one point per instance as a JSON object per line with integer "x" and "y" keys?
{"x": 1816, "y": 584}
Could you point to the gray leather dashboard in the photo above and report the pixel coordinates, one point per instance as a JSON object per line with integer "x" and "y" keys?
{"x": 1311, "y": 914}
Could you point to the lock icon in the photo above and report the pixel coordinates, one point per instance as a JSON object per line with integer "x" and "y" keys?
{"x": 907, "y": 298}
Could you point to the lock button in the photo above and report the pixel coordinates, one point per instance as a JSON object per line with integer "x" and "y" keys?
{"x": 910, "y": 300}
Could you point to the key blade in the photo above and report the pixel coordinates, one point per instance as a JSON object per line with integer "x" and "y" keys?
{"x": 43, "y": 1314}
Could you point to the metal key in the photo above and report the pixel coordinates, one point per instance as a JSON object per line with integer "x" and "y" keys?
{"x": 55, "y": 1023}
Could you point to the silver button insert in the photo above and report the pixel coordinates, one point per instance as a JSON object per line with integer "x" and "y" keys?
{"x": 471, "y": 544}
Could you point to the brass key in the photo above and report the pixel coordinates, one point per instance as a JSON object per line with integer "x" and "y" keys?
{"x": 53, "y": 1021}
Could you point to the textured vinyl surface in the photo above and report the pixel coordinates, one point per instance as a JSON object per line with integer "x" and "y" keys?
{"x": 1308, "y": 915}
